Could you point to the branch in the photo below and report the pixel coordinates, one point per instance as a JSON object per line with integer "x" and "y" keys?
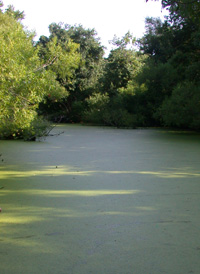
{"x": 52, "y": 127}
{"x": 56, "y": 134}
{"x": 18, "y": 95}
{"x": 50, "y": 62}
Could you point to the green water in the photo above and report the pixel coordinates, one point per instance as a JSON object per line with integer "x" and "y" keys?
{"x": 101, "y": 200}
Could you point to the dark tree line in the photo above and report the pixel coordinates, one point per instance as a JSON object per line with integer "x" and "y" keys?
{"x": 174, "y": 50}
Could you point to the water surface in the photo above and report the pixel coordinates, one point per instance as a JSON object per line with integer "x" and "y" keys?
{"x": 101, "y": 200}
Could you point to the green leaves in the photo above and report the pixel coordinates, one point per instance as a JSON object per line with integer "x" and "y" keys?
{"x": 182, "y": 109}
{"x": 183, "y": 10}
{"x": 77, "y": 62}
{"x": 22, "y": 85}
{"x": 121, "y": 68}
{"x": 66, "y": 58}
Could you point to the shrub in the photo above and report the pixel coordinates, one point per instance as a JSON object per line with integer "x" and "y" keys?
{"x": 118, "y": 118}
{"x": 38, "y": 128}
{"x": 97, "y": 104}
{"x": 182, "y": 108}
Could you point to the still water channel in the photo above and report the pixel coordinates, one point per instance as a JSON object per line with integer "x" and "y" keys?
{"x": 101, "y": 200}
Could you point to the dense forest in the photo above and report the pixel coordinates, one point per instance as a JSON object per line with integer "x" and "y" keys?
{"x": 153, "y": 81}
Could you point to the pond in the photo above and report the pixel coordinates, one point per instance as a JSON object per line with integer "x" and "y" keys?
{"x": 101, "y": 200}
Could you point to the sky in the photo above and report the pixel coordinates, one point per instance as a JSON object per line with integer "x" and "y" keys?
{"x": 107, "y": 17}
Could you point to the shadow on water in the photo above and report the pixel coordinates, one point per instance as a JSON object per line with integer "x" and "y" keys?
{"x": 101, "y": 200}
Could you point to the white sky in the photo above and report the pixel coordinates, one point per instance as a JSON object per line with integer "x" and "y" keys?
{"x": 107, "y": 17}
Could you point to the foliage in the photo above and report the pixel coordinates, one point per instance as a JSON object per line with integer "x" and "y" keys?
{"x": 121, "y": 66}
{"x": 84, "y": 77}
{"x": 158, "y": 41}
{"x": 96, "y": 105}
{"x": 38, "y": 128}
{"x": 90, "y": 70}
{"x": 123, "y": 42}
{"x": 109, "y": 105}
{"x": 16, "y": 14}
{"x": 108, "y": 111}
{"x": 182, "y": 109}
{"x": 67, "y": 58}
{"x": 183, "y": 10}
{"x": 25, "y": 79}
{"x": 116, "y": 114}
{"x": 172, "y": 71}
{"x": 65, "y": 76}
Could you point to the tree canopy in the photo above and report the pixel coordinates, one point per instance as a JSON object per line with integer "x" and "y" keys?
{"x": 66, "y": 77}
{"x": 24, "y": 81}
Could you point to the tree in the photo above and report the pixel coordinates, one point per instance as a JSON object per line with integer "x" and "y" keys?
{"x": 182, "y": 10}
{"x": 182, "y": 108}
{"x": 172, "y": 70}
{"x": 117, "y": 86}
{"x": 123, "y": 42}
{"x": 158, "y": 40}
{"x": 16, "y": 14}
{"x": 90, "y": 70}
{"x": 24, "y": 81}
{"x": 84, "y": 80}
{"x": 121, "y": 65}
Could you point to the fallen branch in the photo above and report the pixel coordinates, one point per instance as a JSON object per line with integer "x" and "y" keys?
{"x": 57, "y": 134}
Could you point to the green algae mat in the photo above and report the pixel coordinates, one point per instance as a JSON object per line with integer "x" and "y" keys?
{"x": 101, "y": 200}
